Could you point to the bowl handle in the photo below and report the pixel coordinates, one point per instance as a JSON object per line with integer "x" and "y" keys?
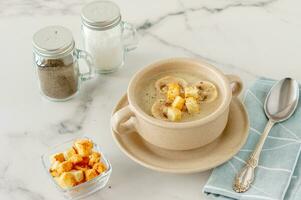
{"x": 123, "y": 121}
{"x": 235, "y": 83}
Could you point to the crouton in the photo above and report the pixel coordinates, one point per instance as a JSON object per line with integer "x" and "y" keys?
{"x": 57, "y": 157}
{"x": 83, "y": 147}
{"x": 64, "y": 167}
{"x": 178, "y": 102}
{"x": 90, "y": 174}
{"x": 174, "y": 114}
{"x": 99, "y": 167}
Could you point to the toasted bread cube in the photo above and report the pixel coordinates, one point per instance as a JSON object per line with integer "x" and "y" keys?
{"x": 191, "y": 92}
{"x": 83, "y": 147}
{"x": 94, "y": 158}
{"x": 174, "y": 114}
{"x": 66, "y": 180}
{"x": 69, "y": 153}
{"x": 99, "y": 167}
{"x": 78, "y": 175}
{"x": 192, "y": 105}
{"x": 90, "y": 174}
{"x": 75, "y": 159}
{"x": 55, "y": 166}
{"x": 178, "y": 102}
{"x": 57, "y": 157}
{"x": 84, "y": 162}
{"x": 81, "y": 167}
{"x": 54, "y": 174}
{"x": 173, "y": 91}
{"x": 64, "y": 167}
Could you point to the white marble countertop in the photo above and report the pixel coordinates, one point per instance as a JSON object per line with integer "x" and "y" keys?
{"x": 248, "y": 38}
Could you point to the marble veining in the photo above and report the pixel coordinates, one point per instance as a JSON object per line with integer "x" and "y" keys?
{"x": 248, "y": 38}
{"x": 74, "y": 124}
{"x": 148, "y": 24}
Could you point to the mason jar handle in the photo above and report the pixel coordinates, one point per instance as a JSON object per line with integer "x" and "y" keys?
{"x": 130, "y": 38}
{"x": 81, "y": 54}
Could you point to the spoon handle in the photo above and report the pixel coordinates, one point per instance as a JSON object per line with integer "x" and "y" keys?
{"x": 246, "y": 176}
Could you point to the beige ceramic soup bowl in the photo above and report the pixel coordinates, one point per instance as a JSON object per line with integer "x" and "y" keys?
{"x": 177, "y": 135}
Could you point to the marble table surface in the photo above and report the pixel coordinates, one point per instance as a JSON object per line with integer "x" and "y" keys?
{"x": 250, "y": 38}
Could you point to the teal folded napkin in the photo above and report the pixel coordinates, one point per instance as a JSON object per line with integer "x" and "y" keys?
{"x": 278, "y": 175}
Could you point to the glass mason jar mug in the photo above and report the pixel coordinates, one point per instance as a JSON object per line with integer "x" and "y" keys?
{"x": 56, "y": 63}
{"x": 106, "y": 37}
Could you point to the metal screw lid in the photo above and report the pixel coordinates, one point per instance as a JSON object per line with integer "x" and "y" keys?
{"x": 53, "y": 41}
{"x": 100, "y": 15}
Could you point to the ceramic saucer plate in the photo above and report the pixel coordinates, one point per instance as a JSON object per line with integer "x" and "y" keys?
{"x": 188, "y": 161}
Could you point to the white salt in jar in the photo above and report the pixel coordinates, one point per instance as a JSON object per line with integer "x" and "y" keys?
{"x": 106, "y": 37}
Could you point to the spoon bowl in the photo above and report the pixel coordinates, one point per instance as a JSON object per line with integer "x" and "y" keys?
{"x": 282, "y": 100}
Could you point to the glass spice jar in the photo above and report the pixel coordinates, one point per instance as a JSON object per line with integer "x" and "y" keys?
{"x": 105, "y": 36}
{"x": 56, "y": 62}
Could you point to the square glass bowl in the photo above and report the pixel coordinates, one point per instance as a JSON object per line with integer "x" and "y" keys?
{"x": 84, "y": 189}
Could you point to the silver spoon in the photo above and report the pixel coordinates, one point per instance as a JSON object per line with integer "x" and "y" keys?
{"x": 279, "y": 105}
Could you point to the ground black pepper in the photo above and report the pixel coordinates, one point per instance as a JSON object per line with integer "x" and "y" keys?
{"x": 58, "y": 79}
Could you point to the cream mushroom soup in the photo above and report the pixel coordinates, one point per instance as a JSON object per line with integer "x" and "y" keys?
{"x": 178, "y": 96}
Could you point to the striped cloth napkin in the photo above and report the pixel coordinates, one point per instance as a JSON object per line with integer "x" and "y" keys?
{"x": 278, "y": 175}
